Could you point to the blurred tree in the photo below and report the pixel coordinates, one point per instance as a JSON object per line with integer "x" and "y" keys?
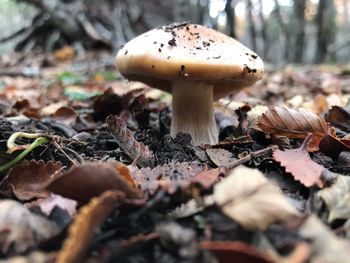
{"x": 299, "y": 20}
{"x": 326, "y": 28}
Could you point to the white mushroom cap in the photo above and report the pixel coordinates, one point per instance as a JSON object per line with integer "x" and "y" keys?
{"x": 190, "y": 52}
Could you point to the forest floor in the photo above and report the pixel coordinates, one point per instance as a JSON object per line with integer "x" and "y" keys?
{"x": 89, "y": 172}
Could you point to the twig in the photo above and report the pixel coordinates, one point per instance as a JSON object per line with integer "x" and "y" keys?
{"x": 266, "y": 151}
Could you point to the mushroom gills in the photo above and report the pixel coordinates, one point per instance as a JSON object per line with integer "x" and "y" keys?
{"x": 193, "y": 112}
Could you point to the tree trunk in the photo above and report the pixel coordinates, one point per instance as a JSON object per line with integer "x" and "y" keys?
{"x": 264, "y": 38}
{"x": 252, "y": 31}
{"x": 299, "y": 15}
{"x": 326, "y": 27}
{"x": 231, "y": 18}
{"x": 284, "y": 30}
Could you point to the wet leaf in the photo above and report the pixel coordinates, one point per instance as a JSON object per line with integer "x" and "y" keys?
{"x": 294, "y": 124}
{"x": 20, "y": 229}
{"x": 299, "y": 164}
{"x": 86, "y": 222}
{"x": 326, "y": 246}
{"x": 249, "y": 198}
{"x": 83, "y": 182}
{"x": 226, "y": 251}
{"x": 337, "y": 198}
{"x": 29, "y": 179}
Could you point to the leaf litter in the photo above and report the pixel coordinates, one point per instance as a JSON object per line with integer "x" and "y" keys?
{"x": 128, "y": 191}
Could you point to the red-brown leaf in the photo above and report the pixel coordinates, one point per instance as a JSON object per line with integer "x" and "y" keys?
{"x": 294, "y": 124}
{"x": 299, "y": 164}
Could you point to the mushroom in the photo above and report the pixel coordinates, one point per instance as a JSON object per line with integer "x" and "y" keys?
{"x": 197, "y": 65}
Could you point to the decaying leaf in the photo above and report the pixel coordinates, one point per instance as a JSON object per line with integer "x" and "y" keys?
{"x": 337, "y": 198}
{"x": 339, "y": 117}
{"x": 21, "y": 230}
{"x": 29, "y": 178}
{"x": 294, "y": 124}
{"x": 83, "y": 182}
{"x": 326, "y": 246}
{"x": 236, "y": 251}
{"x": 299, "y": 164}
{"x": 168, "y": 175}
{"x": 249, "y": 198}
{"x": 86, "y": 222}
{"x": 219, "y": 157}
{"x": 125, "y": 138}
{"x": 207, "y": 178}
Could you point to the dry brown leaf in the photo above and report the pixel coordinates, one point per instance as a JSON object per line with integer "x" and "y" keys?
{"x": 20, "y": 229}
{"x": 249, "y": 198}
{"x": 337, "y": 198}
{"x": 236, "y": 251}
{"x": 65, "y": 115}
{"x": 326, "y": 246}
{"x": 125, "y": 138}
{"x": 299, "y": 164}
{"x": 83, "y": 182}
{"x": 86, "y": 222}
{"x": 294, "y": 124}
{"x": 29, "y": 179}
{"x": 219, "y": 157}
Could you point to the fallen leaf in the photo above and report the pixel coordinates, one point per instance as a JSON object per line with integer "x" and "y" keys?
{"x": 83, "y": 182}
{"x": 125, "y": 138}
{"x": 326, "y": 246}
{"x": 219, "y": 157}
{"x": 21, "y": 230}
{"x": 48, "y": 203}
{"x": 339, "y": 117}
{"x": 332, "y": 145}
{"x": 294, "y": 124}
{"x": 29, "y": 179}
{"x": 86, "y": 222}
{"x": 236, "y": 251}
{"x": 208, "y": 178}
{"x": 249, "y": 198}
{"x": 65, "y": 115}
{"x": 298, "y": 163}
{"x": 337, "y": 198}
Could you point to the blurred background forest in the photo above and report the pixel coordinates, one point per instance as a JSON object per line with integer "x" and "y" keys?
{"x": 280, "y": 31}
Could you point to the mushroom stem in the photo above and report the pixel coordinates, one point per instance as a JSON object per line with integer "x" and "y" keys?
{"x": 193, "y": 112}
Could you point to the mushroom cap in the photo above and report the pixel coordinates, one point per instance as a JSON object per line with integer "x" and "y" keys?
{"x": 189, "y": 52}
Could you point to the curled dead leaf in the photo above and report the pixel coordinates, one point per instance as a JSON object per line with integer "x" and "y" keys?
{"x": 29, "y": 179}
{"x": 65, "y": 115}
{"x": 252, "y": 200}
{"x": 294, "y": 124}
{"x": 82, "y": 230}
{"x": 83, "y": 182}
{"x": 226, "y": 251}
